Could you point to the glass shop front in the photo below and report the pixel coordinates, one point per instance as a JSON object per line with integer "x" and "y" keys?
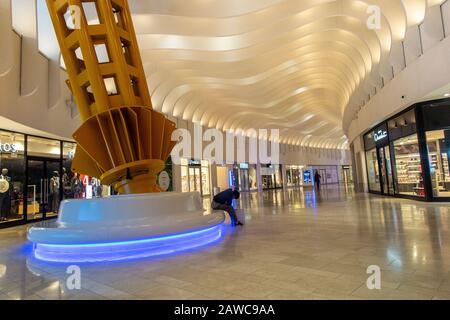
{"x": 195, "y": 176}
{"x": 407, "y": 156}
{"x": 271, "y": 176}
{"x": 243, "y": 177}
{"x": 35, "y": 177}
{"x": 294, "y": 176}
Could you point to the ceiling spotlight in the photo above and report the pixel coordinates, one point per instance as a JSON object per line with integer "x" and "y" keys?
{"x": 447, "y": 95}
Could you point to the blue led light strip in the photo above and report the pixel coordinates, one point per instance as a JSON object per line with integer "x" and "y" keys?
{"x": 125, "y": 250}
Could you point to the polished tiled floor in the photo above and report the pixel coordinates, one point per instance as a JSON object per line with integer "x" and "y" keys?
{"x": 295, "y": 245}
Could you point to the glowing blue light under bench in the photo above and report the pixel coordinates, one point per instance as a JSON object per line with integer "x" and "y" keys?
{"x": 126, "y": 227}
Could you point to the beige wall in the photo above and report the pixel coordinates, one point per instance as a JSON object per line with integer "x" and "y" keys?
{"x": 32, "y": 88}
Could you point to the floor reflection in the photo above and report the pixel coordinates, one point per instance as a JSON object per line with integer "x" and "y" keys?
{"x": 298, "y": 243}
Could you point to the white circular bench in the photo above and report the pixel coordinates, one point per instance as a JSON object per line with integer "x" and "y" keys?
{"x": 124, "y": 227}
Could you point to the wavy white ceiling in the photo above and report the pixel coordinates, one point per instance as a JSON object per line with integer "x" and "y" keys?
{"x": 288, "y": 64}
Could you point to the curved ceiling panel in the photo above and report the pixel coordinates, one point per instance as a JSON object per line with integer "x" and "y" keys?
{"x": 288, "y": 64}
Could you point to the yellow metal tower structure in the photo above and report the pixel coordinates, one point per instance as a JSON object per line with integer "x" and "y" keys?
{"x": 122, "y": 140}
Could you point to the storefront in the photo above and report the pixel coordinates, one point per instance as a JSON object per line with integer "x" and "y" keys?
{"x": 243, "y": 177}
{"x": 346, "y": 175}
{"x": 195, "y": 176}
{"x": 271, "y": 176}
{"x": 308, "y": 177}
{"x": 329, "y": 174}
{"x": 35, "y": 176}
{"x": 294, "y": 176}
{"x": 407, "y": 156}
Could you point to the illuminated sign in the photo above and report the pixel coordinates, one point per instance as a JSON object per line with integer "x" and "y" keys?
{"x": 231, "y": 178}
{"x": 195, "y": 163}
{"x": 243, "y": 165}
{"x": 380, "y": 135}
{"x": 8, "y": 148}
{"x": 307, "y": 176}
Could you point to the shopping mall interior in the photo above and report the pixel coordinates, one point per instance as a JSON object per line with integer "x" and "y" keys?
{"x": 124, "y": 123}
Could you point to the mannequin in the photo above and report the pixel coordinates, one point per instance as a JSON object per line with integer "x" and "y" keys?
{"x": 67, "y": 188}
{"x": 77, "y": 186}
{"x": 5, "y": 196}
{"x": 54, "y": 191}
{"x": 97, "y": 188}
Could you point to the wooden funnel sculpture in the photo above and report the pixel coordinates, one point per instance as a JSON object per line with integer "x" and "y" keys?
{"x": 122, "y": 140}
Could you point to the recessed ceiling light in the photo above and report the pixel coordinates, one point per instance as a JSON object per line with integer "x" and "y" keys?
{"x": 447, "y": 95}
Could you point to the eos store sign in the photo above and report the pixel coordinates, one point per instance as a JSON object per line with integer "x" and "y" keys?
{"x": 8, "y": 148}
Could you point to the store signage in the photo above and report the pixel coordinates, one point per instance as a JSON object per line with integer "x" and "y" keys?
{"x": 164, "y": 181}
{"x": 243, "y": 165}
{"x": 8, "y": 148}
{"x": 380, "y": 135}
{"x": 195, "y": 163}
{"x": 307, "y": 176}
{"x": 231, "y": 178}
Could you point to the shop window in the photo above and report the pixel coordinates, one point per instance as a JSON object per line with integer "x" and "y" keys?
{"x": 195, "y": 176}
{"x": 12, "y": 176}
{"x": 438, "y": 143}
{"x": 271, "y": 177}
{"x": 76, "y": 185}
{"x": 252, "y": 178}
{"x": 373, "y": 170}
{"x": 184, "y": 179}
{"x": 402, "y": 126}
{"x": 206, "y": 189}
{"x": 408, "y": 168}
{"x": 46, "y": 148}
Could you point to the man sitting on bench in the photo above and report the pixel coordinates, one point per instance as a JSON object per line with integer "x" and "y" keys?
{"x": 224, "y": 201}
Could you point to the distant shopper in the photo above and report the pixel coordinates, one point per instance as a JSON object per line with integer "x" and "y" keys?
{"x": 224, "y": 201}
{"x": 317, "y": 178}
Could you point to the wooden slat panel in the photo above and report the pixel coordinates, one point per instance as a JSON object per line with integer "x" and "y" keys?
{"x": 96, "y": 30}
{"x": 107, "y": 68}
{"x": 121, "y": 136}
{"x": 116, "y": 101}
{"x": 82, "y": 162}
{"x": 169, "y": 128}
{"x": 170, "y": 147}
{"x": 145, "y": 130}
{"x": 115, "y": 140}
{"x": 83, "y": 79}
{"x": 60, "y": 4}
{"x": 133, "y": 126}
{"x": 90, "y": 138}
{"x": 103, "y": 120}
{"x": 71, "y": 40}
{"x": 158, "y": 121}
{"x": 126, "y": 134}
